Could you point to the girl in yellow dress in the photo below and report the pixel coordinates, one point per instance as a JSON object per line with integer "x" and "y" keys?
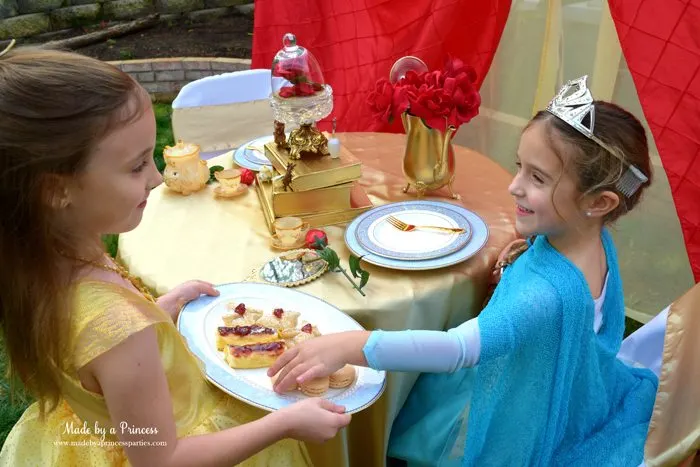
{"x": 114, "y": 380}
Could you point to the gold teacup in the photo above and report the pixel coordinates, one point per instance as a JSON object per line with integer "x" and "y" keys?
{"x": 230, "y": 179}
{"x": 289, "y": 230}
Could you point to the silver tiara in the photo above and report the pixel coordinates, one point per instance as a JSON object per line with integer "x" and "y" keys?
{"x": 573, "y": 103}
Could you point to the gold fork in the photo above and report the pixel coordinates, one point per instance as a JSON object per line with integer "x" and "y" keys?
{"x": 401, "y": 225}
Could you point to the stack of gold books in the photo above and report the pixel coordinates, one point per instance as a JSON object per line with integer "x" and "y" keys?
{"x": 321, "y": 190}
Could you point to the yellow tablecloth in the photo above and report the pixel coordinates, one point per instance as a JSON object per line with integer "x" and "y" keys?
{"x": 221, "y": 241}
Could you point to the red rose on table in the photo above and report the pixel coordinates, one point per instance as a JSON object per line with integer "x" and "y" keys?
{"x": 247, "y": 176}
{"x": 312, "y": 236}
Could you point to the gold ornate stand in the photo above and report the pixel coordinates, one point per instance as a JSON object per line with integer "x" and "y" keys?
{"x": 307, "y": 139}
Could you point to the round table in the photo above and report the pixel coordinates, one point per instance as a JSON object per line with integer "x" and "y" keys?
{"x": 222, "y": 241}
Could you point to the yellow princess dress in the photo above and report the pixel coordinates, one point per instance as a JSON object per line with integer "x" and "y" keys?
{"x": 104, "y": 315}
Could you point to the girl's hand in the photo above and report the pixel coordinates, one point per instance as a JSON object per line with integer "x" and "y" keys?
{"x": 173, "y": 301}
{"x": 316, "y": 420}
{"x": 317, "y": 357}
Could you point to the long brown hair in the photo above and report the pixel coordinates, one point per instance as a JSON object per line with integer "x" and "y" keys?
{"x": 54, "y": 108}
{"x": 595, "y": 168}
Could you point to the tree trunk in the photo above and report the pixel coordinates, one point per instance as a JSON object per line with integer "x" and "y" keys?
{"x": 99, "y": 36}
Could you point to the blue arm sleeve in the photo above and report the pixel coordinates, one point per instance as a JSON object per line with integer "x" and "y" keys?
{"x": 425, "y": 351}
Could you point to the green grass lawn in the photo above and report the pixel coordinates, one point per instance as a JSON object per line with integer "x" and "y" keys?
{"x": 164, "y": 132}
{"x": 11, "y": 409}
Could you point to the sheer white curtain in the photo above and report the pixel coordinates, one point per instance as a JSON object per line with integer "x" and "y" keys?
{"x": 545, "y": 43}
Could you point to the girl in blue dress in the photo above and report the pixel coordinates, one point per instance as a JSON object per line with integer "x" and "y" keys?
{"x": 534, "y": 379}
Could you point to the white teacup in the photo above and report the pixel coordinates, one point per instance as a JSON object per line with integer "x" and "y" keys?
{"x": 289, "y": 230}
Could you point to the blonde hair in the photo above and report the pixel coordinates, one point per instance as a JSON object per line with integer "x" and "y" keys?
{"x": 54, "y": 108}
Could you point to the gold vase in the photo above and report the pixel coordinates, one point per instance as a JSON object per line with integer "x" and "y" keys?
{"x": 429, "y": 159}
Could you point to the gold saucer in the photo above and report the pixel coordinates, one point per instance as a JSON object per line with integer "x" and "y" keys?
{"x": 277, "y": 245}
{"x": 220, "y": 192}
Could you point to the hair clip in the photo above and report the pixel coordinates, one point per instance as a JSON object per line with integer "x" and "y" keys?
{"x": 9, "y": 47}
{"x": 572, "y": 104}
{"x": 630, "y": 181}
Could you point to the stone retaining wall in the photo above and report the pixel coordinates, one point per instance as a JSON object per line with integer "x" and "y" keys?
{"x": 164, "y": 77}
{"x": 26, "y": 18}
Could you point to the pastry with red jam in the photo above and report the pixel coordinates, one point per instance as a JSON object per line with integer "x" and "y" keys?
{"x": 260, "y": 355}
{"x": 280, "y": 319}
{"x": 288, "y": 336}
{"x": 243, "y": 335}
{"x": 307, "y": 331}
{"x": 310, "y": 329}
{"x": 241, "y": 315}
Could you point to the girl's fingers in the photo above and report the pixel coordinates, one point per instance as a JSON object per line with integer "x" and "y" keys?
{"x": 314, "y": 372}
{"x": 288, "y": 381}
{"x": 330, "y": 406}
{"x": 282, "y": 361}
{"x": 207, "y": 288}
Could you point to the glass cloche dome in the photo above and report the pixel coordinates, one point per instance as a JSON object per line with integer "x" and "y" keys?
{"x": 300, "y": 96}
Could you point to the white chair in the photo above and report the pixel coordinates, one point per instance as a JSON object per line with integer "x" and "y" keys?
{"x": 224, "y": 111}
{"x": 645, "y": 346}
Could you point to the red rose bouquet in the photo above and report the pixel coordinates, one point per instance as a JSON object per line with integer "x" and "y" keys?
{"x": 442, "y": 98}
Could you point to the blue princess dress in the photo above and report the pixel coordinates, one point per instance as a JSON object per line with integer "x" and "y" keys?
{"x": 547, "y": 390}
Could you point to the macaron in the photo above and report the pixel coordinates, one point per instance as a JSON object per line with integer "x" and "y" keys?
{"x": 343, "y": 377}
{"x": 315, "y": 387}
{"x": 274, "y": 379}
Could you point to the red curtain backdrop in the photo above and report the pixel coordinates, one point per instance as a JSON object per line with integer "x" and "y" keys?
{"x": 357, "y": 41}
{"x": 661, "y": 43}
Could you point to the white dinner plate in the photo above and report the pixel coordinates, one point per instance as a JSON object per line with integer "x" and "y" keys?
{"x": 377, "y": 235}
{"x": 479, "y": 237}
{"x": 200, "y": 318}
{"x": 251, "y": 155}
